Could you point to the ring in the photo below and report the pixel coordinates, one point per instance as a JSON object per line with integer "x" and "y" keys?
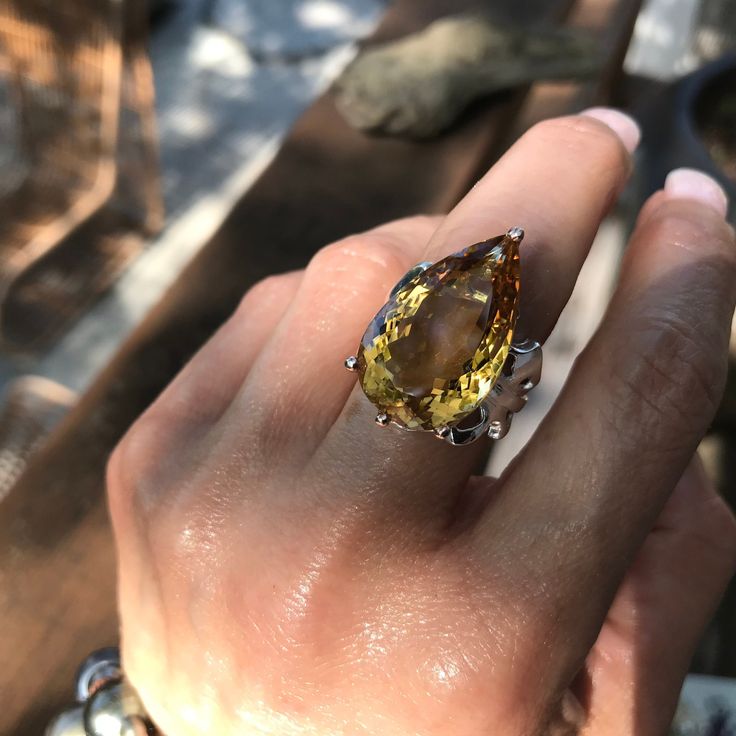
{"x": 440, "y": 357}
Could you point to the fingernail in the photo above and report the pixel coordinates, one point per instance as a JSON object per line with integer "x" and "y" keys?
{"x": 694, "y": 184}
{"x": 623, "y": 125}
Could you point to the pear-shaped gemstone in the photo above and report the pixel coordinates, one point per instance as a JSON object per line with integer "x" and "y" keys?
{"x": 430, "y": 357}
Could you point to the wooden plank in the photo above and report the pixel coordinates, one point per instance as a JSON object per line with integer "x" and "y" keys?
{"x": 57, "y": 595}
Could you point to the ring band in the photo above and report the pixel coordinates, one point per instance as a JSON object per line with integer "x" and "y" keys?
{"x": 106, "y": 702}
{"x": 439, "y": 356}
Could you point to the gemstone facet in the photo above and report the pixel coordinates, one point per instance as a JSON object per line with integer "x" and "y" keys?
{"x": 433, "y": 352}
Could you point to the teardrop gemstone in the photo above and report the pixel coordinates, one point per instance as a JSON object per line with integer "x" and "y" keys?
{"x": 433, "y": 352}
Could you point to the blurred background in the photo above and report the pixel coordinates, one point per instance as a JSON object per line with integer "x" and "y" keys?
{"x": 158, "y": 157}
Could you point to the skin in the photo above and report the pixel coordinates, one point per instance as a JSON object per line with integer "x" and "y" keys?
{"x": 288, "y": 568}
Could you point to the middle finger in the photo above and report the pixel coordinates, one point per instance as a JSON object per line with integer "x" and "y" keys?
{"x": 557, "y": 182}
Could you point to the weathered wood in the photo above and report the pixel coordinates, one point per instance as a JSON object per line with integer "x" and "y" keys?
{"x": 57, "y": 587}
{"x": 85, "y": 170}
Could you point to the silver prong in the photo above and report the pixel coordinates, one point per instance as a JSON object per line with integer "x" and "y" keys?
{"x": 442, "y": 432}
{"x": 495, "y": 430}
{"x": 382, "y": 420}
{"x": 351, "y": 363}
{"x": 104, "y": 664}
{"x": 516, "y": 233}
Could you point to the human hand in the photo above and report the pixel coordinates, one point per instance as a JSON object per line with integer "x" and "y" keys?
{"x": 288, "y": 568}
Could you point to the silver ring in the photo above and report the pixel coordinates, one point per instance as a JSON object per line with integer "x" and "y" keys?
{"x": 440, "y": 355}
{"x": 106, "y": 702}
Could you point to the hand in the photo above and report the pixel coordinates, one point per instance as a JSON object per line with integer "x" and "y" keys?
{"x": 288, "y": 568}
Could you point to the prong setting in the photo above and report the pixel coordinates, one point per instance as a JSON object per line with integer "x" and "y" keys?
{"x": 515, "y": 233}
{"x": 495, "y": 430}
{"x": 507, "y": 397}
{"x": 382, "y": 378}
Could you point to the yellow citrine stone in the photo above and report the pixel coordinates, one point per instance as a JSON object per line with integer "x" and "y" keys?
{"x": 432, "y": 354}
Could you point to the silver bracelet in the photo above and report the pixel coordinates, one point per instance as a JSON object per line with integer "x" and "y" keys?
{"x": 106, "y": 705}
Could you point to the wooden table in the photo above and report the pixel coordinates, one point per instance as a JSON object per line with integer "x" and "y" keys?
{"x": 57, "y": 571}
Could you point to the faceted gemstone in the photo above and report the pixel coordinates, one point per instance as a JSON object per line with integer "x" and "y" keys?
{"x": 432, "y": 354}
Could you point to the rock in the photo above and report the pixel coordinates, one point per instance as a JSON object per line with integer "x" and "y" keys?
{"x": 418, "y": 86}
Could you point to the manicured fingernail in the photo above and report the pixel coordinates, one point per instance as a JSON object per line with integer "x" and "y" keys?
{"x": 694, "y": 184}
{"x": 623, "y": 125}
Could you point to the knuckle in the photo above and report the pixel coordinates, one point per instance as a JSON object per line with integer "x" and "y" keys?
{"x": 587, "y": 138}
{"x": 666, "y": 380}
{"x": 697, "y": 230}
{"x": 424, "y": 222}
{"x": 118, "y": 488}
{"x": 264, "y": 292}
{"x": 374, "y": 254}
{"x": 150, "y": 493}
{"x": 132, "y": 468}
{"x": 413, "y": 227}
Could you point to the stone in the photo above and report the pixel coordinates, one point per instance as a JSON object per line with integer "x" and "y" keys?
{"x": 432, "y": 354}
{"x": 418, "y": 86}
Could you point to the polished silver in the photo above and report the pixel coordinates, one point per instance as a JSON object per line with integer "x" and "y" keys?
{"x": 469, "y": 430}
{"x": 100, "y": 666}
{"x": 115, "y": 710}
{"x": 68, "y": 723}
{"x": 107, "y": 704}
{"x": 521, "y": 373}
{"x": 351, "y": 363}
{"x": 516, "y": 233}
{"x": 495, "y": 429}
